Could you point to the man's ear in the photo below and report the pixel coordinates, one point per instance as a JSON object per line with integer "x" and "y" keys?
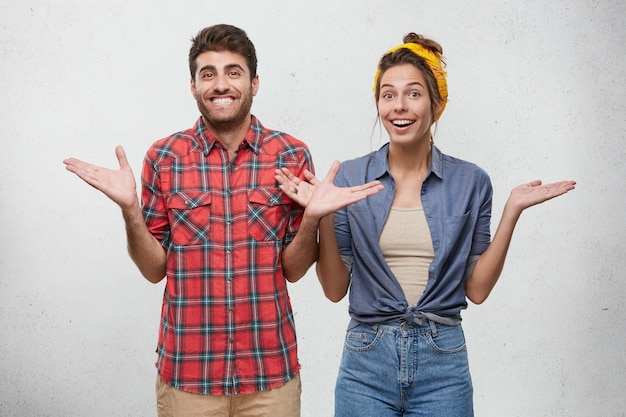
{"x": 255, "y": 84}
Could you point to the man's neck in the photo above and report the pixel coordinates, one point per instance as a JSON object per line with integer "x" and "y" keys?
{"x": 230, "y": 136}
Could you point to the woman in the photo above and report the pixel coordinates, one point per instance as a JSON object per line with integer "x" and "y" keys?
{"x": 413, "y": 251}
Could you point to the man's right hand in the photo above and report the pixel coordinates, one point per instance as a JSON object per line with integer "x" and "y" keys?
{"x": 118, "y": 185}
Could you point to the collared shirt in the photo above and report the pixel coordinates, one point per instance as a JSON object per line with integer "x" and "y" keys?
{"x": 456, "y": 196}
{"x": 227, "y": 326}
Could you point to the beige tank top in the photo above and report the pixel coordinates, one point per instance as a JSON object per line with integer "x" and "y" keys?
{"x": 408, "y": 249}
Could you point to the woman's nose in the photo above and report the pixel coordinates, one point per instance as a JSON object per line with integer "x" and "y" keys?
{"x": 400, "y": 104}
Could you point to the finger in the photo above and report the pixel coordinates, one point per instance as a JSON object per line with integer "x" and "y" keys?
{"x": 562, "y": 187}
{"x": 371, "y": 190}
{"x": 374, "y": 189}
{"x": 86, "y": 172}
{"x": 121, "y": 157}
{"x": 285, "y": 189}
{"x": 371, "y": 184}
{"x": 288, "y": 189}
{"x": 332, "y": 171}
{"x": 74, "y": 162}
{"x": 78, "y": 167}
{"x": 71, "y": 164}
{"x": 284, "y": 184}
{"x": 310, "y": 177}
{"x": 279, "y": 179}
{"x": 290, "y": 176}
{"x": 563, "y": 184}
{"x": 70, "y": 161}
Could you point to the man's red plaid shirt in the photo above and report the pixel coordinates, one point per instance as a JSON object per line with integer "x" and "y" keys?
{"x": 227, "y": 325}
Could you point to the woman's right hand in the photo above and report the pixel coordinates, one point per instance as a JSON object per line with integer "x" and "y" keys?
{"x": 321, "y": 198}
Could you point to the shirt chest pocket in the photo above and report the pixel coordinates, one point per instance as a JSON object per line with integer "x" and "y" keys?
{"x": 190, "y": 217}
{"x": 268, "y": 214}
{"x": 458, "y": 232}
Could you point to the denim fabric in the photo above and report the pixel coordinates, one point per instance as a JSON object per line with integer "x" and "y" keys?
{"x": 402, "y": 369}
{"x": 456, "y": 196}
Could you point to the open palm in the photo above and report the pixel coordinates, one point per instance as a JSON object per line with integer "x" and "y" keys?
{"x": 119, "y": 185}
{"x": 532, "y": 193}
{"x": 322, "y": 198}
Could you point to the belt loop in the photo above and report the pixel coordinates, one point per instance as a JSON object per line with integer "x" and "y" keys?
{"x": 433, "y": 327}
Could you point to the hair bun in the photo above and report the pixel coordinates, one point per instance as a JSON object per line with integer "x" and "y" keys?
{"x": 426, "y": 43}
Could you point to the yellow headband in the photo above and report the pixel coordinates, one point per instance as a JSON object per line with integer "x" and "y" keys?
{"x": 435, "y": 66}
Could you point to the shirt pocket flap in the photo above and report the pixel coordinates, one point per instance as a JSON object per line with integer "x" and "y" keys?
{"x": 188, "y": 200}
{"x": 268, "y": 196}
{"x": 268, "y": 214}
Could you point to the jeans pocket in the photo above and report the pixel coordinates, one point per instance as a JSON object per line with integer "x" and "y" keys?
{"x": 362, "y": 338}
{"x": 448, "y": 339}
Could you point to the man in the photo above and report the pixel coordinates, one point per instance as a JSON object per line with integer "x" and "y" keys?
{"x": 214, "y": 221}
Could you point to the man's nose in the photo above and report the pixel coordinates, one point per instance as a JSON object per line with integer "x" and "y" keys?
{"x": 221, "y": 84}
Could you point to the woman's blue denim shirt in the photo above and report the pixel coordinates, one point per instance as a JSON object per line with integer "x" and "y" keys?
{"x": 456, "y": 196}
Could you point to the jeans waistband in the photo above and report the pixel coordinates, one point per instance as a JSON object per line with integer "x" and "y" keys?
{"x": 401, "y": 324}
{"x": 418, "y": 321}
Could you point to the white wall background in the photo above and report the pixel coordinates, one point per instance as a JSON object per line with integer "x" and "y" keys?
{"x": 537, "y": 90}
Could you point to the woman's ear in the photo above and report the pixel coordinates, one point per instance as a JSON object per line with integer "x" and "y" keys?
{"x": 436, "y": 110}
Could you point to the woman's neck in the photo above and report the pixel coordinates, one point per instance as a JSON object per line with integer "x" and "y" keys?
{"x": 405, "y": 160}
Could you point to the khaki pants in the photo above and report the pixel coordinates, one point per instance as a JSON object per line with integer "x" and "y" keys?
{"x": 283, "y": 402}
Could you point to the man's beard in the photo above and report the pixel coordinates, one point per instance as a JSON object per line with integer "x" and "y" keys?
{"x": 227, "y": 124}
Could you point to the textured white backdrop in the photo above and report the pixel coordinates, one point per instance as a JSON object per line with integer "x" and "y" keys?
{"x": 536, "y": 91}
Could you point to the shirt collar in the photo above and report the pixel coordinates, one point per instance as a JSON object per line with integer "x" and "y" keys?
{"x": 436, "y": 161}
{"x": 379, "y": 164}
{"x": 253, "y": 139}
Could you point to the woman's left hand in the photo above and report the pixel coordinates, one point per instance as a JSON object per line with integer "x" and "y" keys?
{"x": 534, "y": 192}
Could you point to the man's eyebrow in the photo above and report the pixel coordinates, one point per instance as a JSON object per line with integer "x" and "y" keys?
{"x": 234, "y": 66}
{"x": 206, "y": 68}
{"x": 226, "y": 67}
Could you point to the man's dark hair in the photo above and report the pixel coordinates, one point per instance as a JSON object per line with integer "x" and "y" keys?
{"x": 222, "y": 38}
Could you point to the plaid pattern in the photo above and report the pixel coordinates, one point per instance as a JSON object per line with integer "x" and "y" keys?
{"x": 226, "y": 324}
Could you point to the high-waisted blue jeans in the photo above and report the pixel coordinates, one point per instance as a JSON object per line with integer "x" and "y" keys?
{"x": 404, "y": 369}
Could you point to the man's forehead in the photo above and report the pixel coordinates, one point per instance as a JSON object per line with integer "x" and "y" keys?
{"x": 222, "y": 59}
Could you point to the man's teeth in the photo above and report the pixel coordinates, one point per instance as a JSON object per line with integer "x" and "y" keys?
{"x": 402, "y": 122}
{"x": 224, "y": 100}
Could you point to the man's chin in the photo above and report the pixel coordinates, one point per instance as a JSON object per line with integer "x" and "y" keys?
{"x": 225, "y": 124}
